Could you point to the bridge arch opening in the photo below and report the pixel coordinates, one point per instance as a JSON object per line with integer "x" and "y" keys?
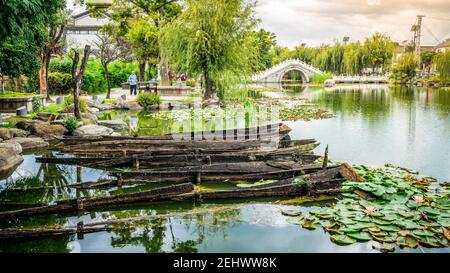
{"x": 294, "y": 75}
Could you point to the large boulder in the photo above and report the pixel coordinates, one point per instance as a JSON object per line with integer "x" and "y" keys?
{"x": 12, "y": 145}
{"x": 8, "y": 133}
{"x": 41, "y": 129}
{"x": 29, "y": 143}
{"x": 93, "y": 130}
{"x": 117, "y": 125}
{"x": 9, "y": 160}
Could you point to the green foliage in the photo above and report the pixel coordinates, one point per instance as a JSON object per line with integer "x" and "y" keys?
{"x": 52, "y": 108}
{"x": 23, "y": 28}
{"x": 71, "y": 124}
{"x": 60, "y": 65}
{"x": 317, "y": 78}
{"x": 94, "y": 79}
{"x": 375, "y": 52}
{"x": 264, "y": 42}
{"x": 12, "y": 94}
{"x": 147, "y": 99}
{"x": 212, "y": 38}
{"x": 37, "y": 103}
{"x": 442, "y": 62}
{"x": 59, "y": 83}
{"x": 191, "y": 83}
{"x": 120, "y": 71}
{"x": 110, "y": 101}
{"x": 143, "y": 38}
{"x": 69, "y": 101}
{"x": 405, "y": 68}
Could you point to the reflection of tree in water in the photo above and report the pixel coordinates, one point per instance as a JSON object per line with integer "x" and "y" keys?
{"x": 152, "y": 235}
{"x": 42, "y": 245}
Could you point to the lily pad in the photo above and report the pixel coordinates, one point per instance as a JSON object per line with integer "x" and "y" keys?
{"x": 360, "y": 236}
{"x": 342, "y": 240}
{"x": 407, "y": 242}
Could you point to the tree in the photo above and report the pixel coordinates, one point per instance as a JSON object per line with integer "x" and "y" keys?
{"x": 108, "y": 52}
{"x": 212, "y": 38}
{"x": 426, "y": 59}
{"x": 264, "y": 42}
{"x": 23, "y": 26}
{"x": 77, "y": 76}
{"x": 56, "y": 28}
{"x": 143, "y": 39}
{"x": 379, "y": 50}
{"x": 442, "y": 62}
{"x": 124, "y": 14}
{"x": 406, "y": 66}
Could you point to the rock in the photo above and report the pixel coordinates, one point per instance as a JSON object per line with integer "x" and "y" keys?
{"x": 68, "y": 109}
{"x": 41, "y": 129}
{"x": 8, "y": 133}
{"x": 133, "y": 107}
{"x": 93, "y": 110}
{"x": 123, "y": 97}
{"x": 29, "y": 143}
{"x": 9, "y": 160}
{"x": 115, "y": 134}
{"x": 117, "y": 125}
{"x": 93, "y": 130}
{"x": 60, "y": 100}
{"x": 12, "y": 145}
{"x": 5, "y": 133}
{"x": 1, "y": 119}
{"x": 22, "y": 111}
{"x": 19, "y": 133}
{"x": 212, "y": 103}
{"x": 45, "y": 117}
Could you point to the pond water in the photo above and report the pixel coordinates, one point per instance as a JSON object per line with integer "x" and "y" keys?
{"x": 374, "y": 126}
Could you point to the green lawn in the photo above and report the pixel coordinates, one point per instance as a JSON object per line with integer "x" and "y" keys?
{"x": 12, "y": 94}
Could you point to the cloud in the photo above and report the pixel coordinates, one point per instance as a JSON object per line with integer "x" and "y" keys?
{"x": 322, "y": 21}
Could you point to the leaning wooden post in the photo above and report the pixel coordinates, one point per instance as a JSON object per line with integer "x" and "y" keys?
{"x": 325, "y": 159}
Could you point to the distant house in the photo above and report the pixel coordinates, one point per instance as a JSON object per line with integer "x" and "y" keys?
{"x": 84, "y": 29}
{"x": 444, "y": 46}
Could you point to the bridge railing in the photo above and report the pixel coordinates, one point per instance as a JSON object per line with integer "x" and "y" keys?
{"x": 282, "y": 65}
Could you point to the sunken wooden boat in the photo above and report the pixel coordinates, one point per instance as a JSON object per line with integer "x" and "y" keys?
{"x": 270, "y": 131}
{"x": 327, "y": 181}
{"x": 158, "y": 161}
{"x": 159, "y": 194}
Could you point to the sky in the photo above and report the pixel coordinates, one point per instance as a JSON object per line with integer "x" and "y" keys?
{"x": 315, "y": 22}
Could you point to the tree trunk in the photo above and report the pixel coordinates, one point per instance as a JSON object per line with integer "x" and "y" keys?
{"x": 77, "y": 76}
{"x": 46, "y": 65}
{"x": 164, "y": 72}
{"x": 3, "y": 84}
{"x": 209, "y": 85}
{"x": 108, "y": 81}
{"x": 141, "y": 71}
{"x": 76, "y": 103}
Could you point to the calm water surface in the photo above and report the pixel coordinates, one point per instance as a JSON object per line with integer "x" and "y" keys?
{"x": 373, "y": 126}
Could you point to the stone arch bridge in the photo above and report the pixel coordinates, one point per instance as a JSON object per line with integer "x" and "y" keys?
{"x": 277, "y": 72}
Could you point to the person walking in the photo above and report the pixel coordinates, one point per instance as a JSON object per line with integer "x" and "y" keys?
{"x": 132, "y": 80}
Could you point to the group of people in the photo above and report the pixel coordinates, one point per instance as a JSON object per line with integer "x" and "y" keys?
{"x": 132, "y": 80}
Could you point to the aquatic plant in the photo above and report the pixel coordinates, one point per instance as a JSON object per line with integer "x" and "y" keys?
{"x": 394, "y": 207}
{"x": 147, "y": 99}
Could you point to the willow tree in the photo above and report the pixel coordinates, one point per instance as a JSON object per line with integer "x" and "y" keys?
{"x": 212, "y": 38}
{"x": 442, "y": 62}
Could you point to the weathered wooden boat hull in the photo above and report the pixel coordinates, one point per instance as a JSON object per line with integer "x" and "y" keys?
{"x": 159, "y": 194}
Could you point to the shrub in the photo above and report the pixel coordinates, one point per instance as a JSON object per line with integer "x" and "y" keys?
{"x": 69, "y": 101}
{"x": 60, "y": 65}
{"x": 147, "y": 99}
{"x": 37, "y": 103}
{"x": 71, "y": 124}
{"x": 59, "y": 83}
{"x": 110, "y": 101}
{"x": 317, "y": 78}
{"x": 120, "y": 71}
{"x": 93, "y": 83}
{"x": 191, "y": 83}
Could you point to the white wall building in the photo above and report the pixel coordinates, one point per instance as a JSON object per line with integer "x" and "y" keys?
{"x": 84, "y": 29}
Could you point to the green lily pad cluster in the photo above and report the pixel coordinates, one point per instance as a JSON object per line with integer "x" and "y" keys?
{"x": 304, "y": 112}
{"x": 395, "y": 207}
